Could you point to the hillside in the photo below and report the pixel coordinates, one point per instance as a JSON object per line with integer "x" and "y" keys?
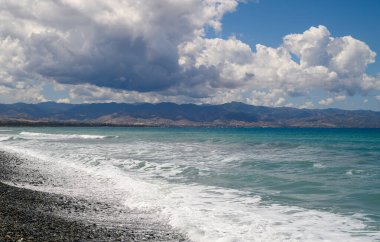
{"x": 183, "y": 115}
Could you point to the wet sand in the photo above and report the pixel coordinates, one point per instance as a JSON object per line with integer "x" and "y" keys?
{"x": 29, "y": 215}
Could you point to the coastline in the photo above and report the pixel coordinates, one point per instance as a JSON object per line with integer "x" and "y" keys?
{"x": 232, "y": 115}
{"x": 28, "y": 215}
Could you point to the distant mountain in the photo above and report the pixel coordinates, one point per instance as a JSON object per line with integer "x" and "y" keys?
{"x": 182, "y": 115}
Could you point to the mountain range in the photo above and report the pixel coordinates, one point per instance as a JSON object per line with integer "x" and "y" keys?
{"x": 233, "y": 114}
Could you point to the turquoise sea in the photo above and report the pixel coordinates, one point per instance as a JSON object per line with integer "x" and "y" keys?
{"x": 220, "y": 184}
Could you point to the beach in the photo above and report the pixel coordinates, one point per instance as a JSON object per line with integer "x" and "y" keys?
{"x": 28, "y": 215}
{"x": 166, "y": 184}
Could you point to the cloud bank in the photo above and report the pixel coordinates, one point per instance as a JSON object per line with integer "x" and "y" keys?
{"x": 129, "y": 50}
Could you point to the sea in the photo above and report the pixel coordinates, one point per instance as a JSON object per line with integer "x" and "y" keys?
{"x": 219, "y": 184}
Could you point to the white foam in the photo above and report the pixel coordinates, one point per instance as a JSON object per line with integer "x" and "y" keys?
{"x": 34, "y": 135}
{"x": 6, "y": 138}
{"x": 319, "y": 165}
{"x": 355, "y": 172}
{"x": 204, "y": 213}
{"x": 216, "y": 214}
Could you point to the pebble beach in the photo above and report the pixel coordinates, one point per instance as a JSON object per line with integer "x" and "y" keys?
{"x": 29, "y": 215}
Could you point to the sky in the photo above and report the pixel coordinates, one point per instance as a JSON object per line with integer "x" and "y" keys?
{"x": 296, "y": 53}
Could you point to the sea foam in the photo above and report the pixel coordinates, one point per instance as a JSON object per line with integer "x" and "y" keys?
{"x": 35, "y": 135}
{"x": 6, "y": 138}
{"x": 204, "y": 213}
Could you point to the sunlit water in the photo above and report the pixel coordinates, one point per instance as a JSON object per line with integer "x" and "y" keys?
{"x": 220, "y": 184}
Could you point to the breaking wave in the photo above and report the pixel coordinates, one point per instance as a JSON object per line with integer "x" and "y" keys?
{"x": 33, "y": 135}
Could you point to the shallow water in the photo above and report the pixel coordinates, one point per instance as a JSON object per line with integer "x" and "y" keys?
{"x": 221, "y": 184}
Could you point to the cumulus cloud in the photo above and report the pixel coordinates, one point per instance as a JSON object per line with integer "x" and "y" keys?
{"x": 87, "y": 93}
{"x": 332, "y": 64}
{"x": 128, "y": 50}
{"x": 64, "y": 100}
{"x": 331, "y": 100}
{"x": 130, "y": 45}
{"x": 21, "y": 93}
{"x": 340, "y": 98}
{"x": 327, "y": 101}
{"x": 335, "y": 65}
{"x": 307, "y": 105}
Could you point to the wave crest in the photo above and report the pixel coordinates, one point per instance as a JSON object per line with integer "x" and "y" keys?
{"x": 6, "y": 138}
{"x": 35, "y": 135}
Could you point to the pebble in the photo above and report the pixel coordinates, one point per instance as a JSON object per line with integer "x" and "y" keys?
{"x": 28, "y": 216}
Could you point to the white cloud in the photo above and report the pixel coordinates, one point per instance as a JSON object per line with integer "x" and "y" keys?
{"x": 87, "y": 93}
{"x": 340, "y": 98}
{"x": 310, "y": 46}
{"x": 272, "y": 98}
{"x": 225, "y": 63}
{"x": 327, "y": 63}
{"x": 22, "y": 93}
{"x": 327, "y": 101}
{"x": 128, "y": 50}
{"x": 122, "y": 44}
{"x": 64, "y": 100}
{"x": 349, "y": 57}
{"x": 333, "y": 65}
{"x": 307, "y": 105}
{"x": 331, "y": 100}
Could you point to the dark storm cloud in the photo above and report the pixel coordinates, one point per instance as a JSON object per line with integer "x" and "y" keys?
{"x": 128, "y": 45}
{"x": 160, "y": 47}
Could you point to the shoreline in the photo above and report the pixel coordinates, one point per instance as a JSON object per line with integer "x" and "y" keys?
{"x": 29, "y": 215}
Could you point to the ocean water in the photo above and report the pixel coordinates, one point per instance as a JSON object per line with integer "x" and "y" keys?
{"x": 219, "y": 184}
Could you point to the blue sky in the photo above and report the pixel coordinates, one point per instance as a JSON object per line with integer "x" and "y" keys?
{"x": 268, "y": 21}
{"x": 298, "y": 53}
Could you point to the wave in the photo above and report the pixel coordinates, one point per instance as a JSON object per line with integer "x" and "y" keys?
{"x": 10, "y": 138}
{"x": 34, "y": 135}
{"x": 355, "y": 172}
{"x": 204, "y": 213}
{"x": 6, "y": 138}
{"x": 319, "y": 165}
